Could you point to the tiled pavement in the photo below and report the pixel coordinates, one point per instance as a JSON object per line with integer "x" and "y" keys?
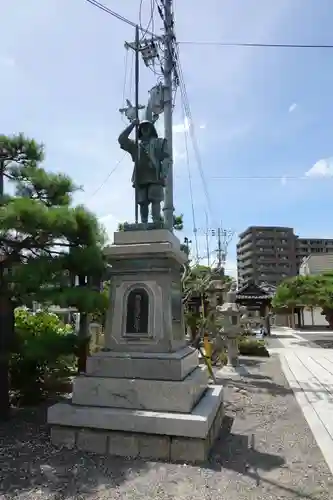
{"x": 309, "y": 372}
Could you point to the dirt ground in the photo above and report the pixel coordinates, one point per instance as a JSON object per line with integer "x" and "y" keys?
{"x": 265, "y": 452}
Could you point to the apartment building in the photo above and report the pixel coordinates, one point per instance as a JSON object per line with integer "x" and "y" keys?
{"x": 312, "y": 246}
{"x": 270, "y": 254}
{"x": 266, "y": 255}
{"x": 316, "y": 264}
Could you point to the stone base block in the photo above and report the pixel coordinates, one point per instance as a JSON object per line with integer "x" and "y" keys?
{"x": 155, "y": 236}
{"x": 138, "y": 394}
{"x": 195, "y": 424}
{"x": 154, "y": 366}
{"x": 143, "y": 243}
{"x": 148, "y": 445}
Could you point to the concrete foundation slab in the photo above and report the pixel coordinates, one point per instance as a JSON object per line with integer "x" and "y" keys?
{"x": 147, "y": 445}
{"x": 195, "y": 424}
{"x": 139, "y": 394}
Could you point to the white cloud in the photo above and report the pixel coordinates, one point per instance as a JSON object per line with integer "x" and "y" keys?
{"x": 292, "y": 107}
{"x": 283, "y": 180}
{"x": 182, "y": 127}
{"x": 9, "y": 62}
{"x": 322, "y": 168}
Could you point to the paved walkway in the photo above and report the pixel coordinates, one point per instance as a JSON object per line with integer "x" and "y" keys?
{"x": 309, "y": 372}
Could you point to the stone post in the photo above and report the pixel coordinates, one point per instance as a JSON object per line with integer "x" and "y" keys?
{"x": 232, "y": 351}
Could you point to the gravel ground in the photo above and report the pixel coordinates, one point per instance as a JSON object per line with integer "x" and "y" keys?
{"x": 266, "y": 451}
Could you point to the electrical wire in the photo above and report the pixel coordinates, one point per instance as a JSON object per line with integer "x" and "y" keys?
{"x": 151, "y": 19}
{"x": 107, "y": 177}
{"x": 191, "y": 189}
{"x": 249, "y": 44}
{"x": 131, "y": 79}
{"x": 189, "y": 117}
{"x": 124, "y": 84}
{"x": 265, "y": 177}
{"x": 106, "y": 9}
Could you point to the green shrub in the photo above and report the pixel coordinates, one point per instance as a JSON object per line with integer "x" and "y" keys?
{"x": 44, "y": 353}
{"x": 252, "y": 347}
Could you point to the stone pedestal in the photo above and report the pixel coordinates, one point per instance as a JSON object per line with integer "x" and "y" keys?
{"x": 144, "y": 394}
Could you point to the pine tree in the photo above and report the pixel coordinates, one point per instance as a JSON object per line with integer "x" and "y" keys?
{"x": 44, "y": 242}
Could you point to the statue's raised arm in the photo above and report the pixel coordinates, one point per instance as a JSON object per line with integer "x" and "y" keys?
{"x": 125, "y": 142}
{"x": 152, "y": 161}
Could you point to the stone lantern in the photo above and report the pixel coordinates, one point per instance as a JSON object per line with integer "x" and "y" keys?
{"x": 231, "y": 316}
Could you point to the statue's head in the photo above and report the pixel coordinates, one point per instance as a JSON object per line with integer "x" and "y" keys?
{"x": 147, "y": 130}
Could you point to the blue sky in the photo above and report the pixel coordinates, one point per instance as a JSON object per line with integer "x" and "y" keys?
{"x": 258, "y": 112}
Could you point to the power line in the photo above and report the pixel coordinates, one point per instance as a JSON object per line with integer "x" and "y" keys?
{"x": 249, "y": 44}
{"x": 151, "y": 19}
{"x": 282, "y": 178}
{"x": 191, "y": 190}
{"x": 106, "y": 9}
{"x": 125, "y": 80}
{"x": 112, "y": 13}
{"x": 265, "y": 177}
{"x": 189, "y": 117}
{"x": 107, "y": 177}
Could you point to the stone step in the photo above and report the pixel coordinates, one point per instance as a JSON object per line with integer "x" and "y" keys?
{"x": 161, "y": 366}
{"x": 148, "y": 435}
{"x": 140, "y": 394}
{"x": 192, "y": 425}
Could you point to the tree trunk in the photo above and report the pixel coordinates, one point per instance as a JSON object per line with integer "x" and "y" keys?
{"x": 4, "y": 387}
{"x": 293, "y": 318}
{"x": 83, "y": 343}
{"x": 6, "y": 338}
{"x": 329, "y": 317}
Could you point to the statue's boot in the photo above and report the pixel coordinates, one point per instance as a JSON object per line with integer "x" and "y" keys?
{"x": 144, "y": 210}
{"x": 156, "y": 211}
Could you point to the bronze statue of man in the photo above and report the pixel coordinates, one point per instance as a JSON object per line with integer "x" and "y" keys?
{"x": 151, "y": 167}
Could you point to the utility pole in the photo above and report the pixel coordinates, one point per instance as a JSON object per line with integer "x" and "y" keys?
{"x": 219, "y": 249}
{"x": 224, "y": 236}
{"x": 137, "y": 145}
{"x": 207, "y": 242}
{"x": 168, "y": 70}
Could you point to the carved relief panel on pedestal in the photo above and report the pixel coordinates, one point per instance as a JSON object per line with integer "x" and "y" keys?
{"x": 137, "y": 313}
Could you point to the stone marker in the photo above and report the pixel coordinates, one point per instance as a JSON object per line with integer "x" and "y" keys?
{"x": 230, "y": 317}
